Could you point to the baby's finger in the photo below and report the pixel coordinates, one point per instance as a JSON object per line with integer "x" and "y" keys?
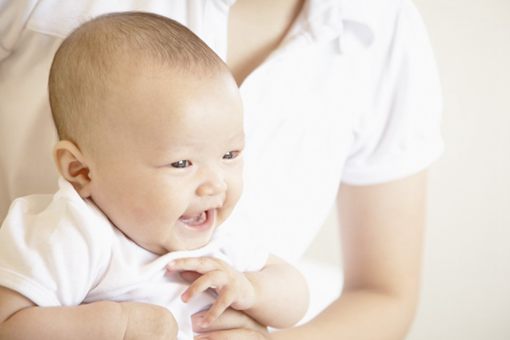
{"x": 223, "y": 301}
{"x": 190, "y": 276}
{"x": 201, "y": 265}
{"x": 214, "y": 279}
{"x": 234, "y": 334}
{"x": 229, "y": 319}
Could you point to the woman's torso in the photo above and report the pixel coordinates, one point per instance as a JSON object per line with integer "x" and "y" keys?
{"x": 302, "y": 105}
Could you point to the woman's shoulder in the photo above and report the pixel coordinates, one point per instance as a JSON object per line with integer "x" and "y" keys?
{"x": 59, "y": 18}
{"x": 13, "y": 18}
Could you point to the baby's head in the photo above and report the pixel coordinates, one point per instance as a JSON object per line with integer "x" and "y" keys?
{"x": 150, "y": 126}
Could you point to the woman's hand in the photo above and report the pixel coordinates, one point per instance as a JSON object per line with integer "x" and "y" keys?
{"x": 231, "y": 325}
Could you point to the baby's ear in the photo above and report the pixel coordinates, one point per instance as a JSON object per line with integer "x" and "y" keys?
{"x": 71, "y": 164}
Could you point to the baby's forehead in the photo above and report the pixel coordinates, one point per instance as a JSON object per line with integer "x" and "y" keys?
{"x": 93, "y": 68}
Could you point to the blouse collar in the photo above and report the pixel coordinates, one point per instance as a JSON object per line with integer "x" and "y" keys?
{"x": 339, "y": 20}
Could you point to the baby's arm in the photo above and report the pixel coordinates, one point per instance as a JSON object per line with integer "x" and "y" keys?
{"x": 275, "y": 296}
{"x": 283, "y": 295}
{"x": 21, "y": 319}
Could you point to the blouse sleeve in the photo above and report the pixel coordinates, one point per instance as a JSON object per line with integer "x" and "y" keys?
{"x": 399, "y": 132}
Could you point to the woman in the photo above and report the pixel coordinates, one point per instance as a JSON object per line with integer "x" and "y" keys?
{"x": 341, "y": 104}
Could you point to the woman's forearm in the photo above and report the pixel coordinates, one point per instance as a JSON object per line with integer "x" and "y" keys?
{"x": 358, "y": 315}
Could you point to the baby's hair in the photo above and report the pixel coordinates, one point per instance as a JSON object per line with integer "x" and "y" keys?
{"x": 87, "y": 61}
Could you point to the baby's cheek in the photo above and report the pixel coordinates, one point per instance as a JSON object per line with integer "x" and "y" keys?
{"x": 235, "y": 191}
{"x": 230, "y": 203}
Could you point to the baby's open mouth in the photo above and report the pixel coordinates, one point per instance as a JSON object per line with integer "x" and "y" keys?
{"x": 194, "y": 220}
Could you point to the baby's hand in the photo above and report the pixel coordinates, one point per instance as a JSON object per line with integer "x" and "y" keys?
{"x": 233, "y": 288}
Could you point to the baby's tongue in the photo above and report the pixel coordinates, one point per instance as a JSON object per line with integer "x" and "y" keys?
{"x": 194, "y": 219}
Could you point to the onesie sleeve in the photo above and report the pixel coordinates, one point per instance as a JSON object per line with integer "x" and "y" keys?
{"x": 54, "y": 256}
{"x": 398, "y": 134}
{"x": 14, "y": 15}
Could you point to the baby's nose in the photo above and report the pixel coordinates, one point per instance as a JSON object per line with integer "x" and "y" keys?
{"x": 213, "y": 184}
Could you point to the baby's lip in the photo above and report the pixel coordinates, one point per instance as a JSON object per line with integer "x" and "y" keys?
{"x": 194, "y": 212}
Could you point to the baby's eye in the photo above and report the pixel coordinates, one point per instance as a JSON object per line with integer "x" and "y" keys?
{"x": 181, "y": 164}
{"x": 231, "y": 155}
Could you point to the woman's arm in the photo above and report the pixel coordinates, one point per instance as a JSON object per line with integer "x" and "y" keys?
{"x": 382, "y": 241}
{"x": 20, "y": 319}
{"x": 382, "y": 237}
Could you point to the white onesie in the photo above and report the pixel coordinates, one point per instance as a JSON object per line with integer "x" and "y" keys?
{"x": 61, "y": 250}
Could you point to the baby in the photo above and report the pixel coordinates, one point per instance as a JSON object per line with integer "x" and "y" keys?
{"x": 150, "y": 157}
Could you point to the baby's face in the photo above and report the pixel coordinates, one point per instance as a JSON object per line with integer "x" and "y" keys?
{"x": 169, "y": 170}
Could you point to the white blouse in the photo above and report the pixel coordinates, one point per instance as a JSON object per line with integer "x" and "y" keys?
{"x": 351, "y": 95}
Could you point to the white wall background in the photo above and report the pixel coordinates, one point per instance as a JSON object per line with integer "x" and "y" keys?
{"x": 466, "y": 284}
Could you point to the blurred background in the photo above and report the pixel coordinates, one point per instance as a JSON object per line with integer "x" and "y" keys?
{"x": 466, "y": 282}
